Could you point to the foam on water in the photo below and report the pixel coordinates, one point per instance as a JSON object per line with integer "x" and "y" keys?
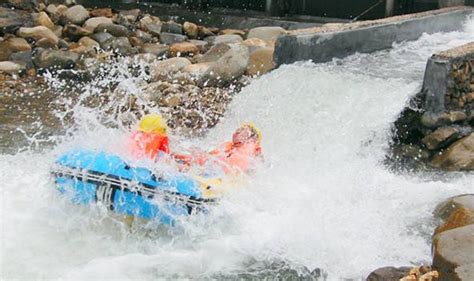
{"x": 322, "y": 198}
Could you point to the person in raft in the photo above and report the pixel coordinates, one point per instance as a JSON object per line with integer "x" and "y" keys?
{"x": 237, "y": 155}
{"x": 151, "y": 138}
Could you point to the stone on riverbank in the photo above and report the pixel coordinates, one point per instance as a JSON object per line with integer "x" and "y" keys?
{"x": 191, "y": 30}
{"x": 444, "y": 209}
{"x": 171, "y": 38}
{"x": 459, "y": 156}
{"x": 183, "y": 49}
{"x": 214, "y": 53}
{"x": 75, "y": 32}
{"x": 75, "y": 15}
{"x": 158, "y": 50}
{"x": 114, "y": 29}
{"x": 172, "y": 27}
{"x": 119, "y": 45}
{"x": 266, "y": 33}
{"x": 231, "y": 38}
{"x": 102, "y": 12}
{"x": 459, "y": 218}
{"x": 58, "y": 59}
{"x": 37, "y": 33}
{"x": 92, "y": 23}
{"x": 12, "y": 45}
{"x": 43, "y": 19}
{"x": 441, "y": 137}
{"x": 261, "y": 61}
{"x": 151, "y": 24}
{"x": 162, "y": 70}
{"x": 11, "y": 67}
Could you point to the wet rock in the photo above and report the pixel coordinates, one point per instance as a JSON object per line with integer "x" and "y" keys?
{"x": 441, "y": 137}
{"x": 183, "y": 49}
{"x": 145, "y": 37}
{"x": 11, "y": 67}
{"x": 46, "y": 43}
{"x": 459, "y": 218}
{"x": 261, "y": 61}
{"x": 447, "y": 118}
{"x": 86, "y": 45}
{"x": 113, "y": 29}
{"x": 205, "y": 32}
{"x": 75, "y": 32}
{"x": 103, "y": 12}
{"x": 191, "y": 30}
{"x": 197, "y": 70}
{"x": 11, "y": 20}
{"x": 92, "y": 23}
{"x": 388, "y": 274}
{"x": 24, "y": 58}
{"x": 446, "y": 208}
{"x": 172, "y": 27}
{"x": 62, "y": 44}
{"x": 228, "y": 68}
{"x": 136, "y": 42}
{"x": 158, "y": 50}
{"x": 101, "y": 37}
{"x": 266, "y": 33}
{"x": 227, "y": 39}
{"x": 37, "y": 33}
{"x": 255, "y": 43}
{"x": 239, "y": 32}
{"x": 452, "y": 254}
{"x": 151, "y": 24}
{"x": 12, "y": 45}
{"x": 163, "y": 69}
{"x": 131, "y": 15}
{"x": 202, "y": 45}
{"x": 43, "y": 19}
{"x": 215, "y": 53}
{"x": 76, "y": 15}
{"x": 58, "y": 59}
{"x": 458, "y": 157}
{"x": 58, "y": 31}
{"x": 23, "y": 4}
{"x": 120, "y": 45}
{"x": 171, "y": 38}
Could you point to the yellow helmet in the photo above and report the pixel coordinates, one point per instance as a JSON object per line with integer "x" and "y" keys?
{"x": 153, "y": 123}
{"x": 255, "y": 129}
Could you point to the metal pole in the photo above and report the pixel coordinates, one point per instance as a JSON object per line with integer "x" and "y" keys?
{"x": 268, "y": 5}
{"x": 389, "y": 6}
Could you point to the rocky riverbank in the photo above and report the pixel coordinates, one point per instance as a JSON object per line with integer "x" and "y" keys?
{"x": 190, "y": 72}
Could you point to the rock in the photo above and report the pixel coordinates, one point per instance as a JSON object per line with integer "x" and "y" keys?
{"x": 136, "y": 42}
{"x": 441, "y": 137}
{"x": 101, "y": 37}
{"x": 24, "y": 58}
{"x": 453, "y": 254}
{"x": 119, "y": 45}
{"x": 255, "y": 43}
{"x": 113, "y": 29}
{"x": 76, "y": 15}
{"x": 62, "y": 44}
{"x": 437, "y": 120}
{"x": 132, "y": 15}
{"x": 158, "y": 50}
{"x": 92, "y": 23}
{"x": 266, "y": 33}
{"x": 227, "y": 39}
{"x": 88, "y": 42}
{"x": 11, "y": 20}
{"x": 12, "y": 45}
{"x": 388, "y": 274}
{"x": 163, "y": 69}
{"x": 58, "y": 31}
{"x": 470, "y": 97}
{"x": 228, "y": 68}
{"x": 86, "y": 46}
{"x": 171, "y": 38}
{"x": 75, "y": 32}
{"x": 37, "y": 33}
{"x": 145, "y": 37}
{"x": 202, "y": 45}
{"x": 191, "y": 30}
{"x": 215, "y": 53}
{"x": 23, "y": 4}
{"x": 151, "y": 24}
{"x": 103, "y": 12}
{"x": 204, "y": 32}
{"x": 10, "y": 67}
{"x": 459, "y": 218}
{"x": 183, "y": 49}
{"x": 458, "y": 157}
{"x": 261, "y": 61}
{"x": 197, "y": 70}
{"x": 172, "y": 27}
{"x": 45, "y": 43}
{"x": 43, "y": 19}
{"x": 56, "y": 59}
{"x": 445, "y": 209}
{"x": 239, "y": 32}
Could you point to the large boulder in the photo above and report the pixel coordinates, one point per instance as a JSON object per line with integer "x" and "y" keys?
{"x": 388, "y": 274}
{"x": 458, "y": 157}
{"x": 441, "y": 137}
{"x": 92, "y": 23}
{"x": 197, "y": 70}
{"x": 114, "y": 29}
{"x": 214, "y": 53}
{"x": 266, "y": 33}
{"x": 164, "y": 69}
{"x": 261, "y": 61}
{"x": 183, "y": 49}
{"x": 230, "y": 38}
{"x": 11, "y": 67}
{"x": 453, "y": 254}
{"x": 43, "y": 19}
{"x": 459, "y": 218}
{"x": 37, "y": 33}
{"x": 228, "y": 68}
{"x": 444, "y": 209}
{"x": 120, "y": 45}
{"x": 56, "y": 59}
{"x": 12, "y": 45}
{"x": 76, "y": 14}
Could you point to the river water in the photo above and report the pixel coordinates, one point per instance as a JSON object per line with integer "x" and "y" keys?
{"x": 322, "y": 199}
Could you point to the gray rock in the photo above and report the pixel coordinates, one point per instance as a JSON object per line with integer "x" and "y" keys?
{"x": 145, "y": 37}
{"x": 75, "y": 32}
{"x": 12, "y": 45}
{"x": 215, "y": 53}
{"x": 92, "y": 23}
{"x": 228, "y": 68}
{"x": 441, "y": 137}
{"x": 24, "y": 58}
{"x": 172, "y": 27}
{"x": 453, "y": 254}
{"x": 120, "y": 45}
{"x": 23, "y": 4}
{"x": 230, "y": 38}
{"x": 76, "y": 15}
{"x": 151, "y": 24}
{"x": 266, "y": 33}
{"x": 388, "y": 273}
{"x": 37, "y": 33}
{"x": 171, "y": 38}
{"x": 11, "y": 20}
{"x": 11, "y": 67}
{"x": 58, "y": 59}
{"x": 101, "y": 37}
{"x": 114, "y": 29}
{"x": 191, "y": 30}
{"x": 158, "y": 50}
{"x": 444, "y": 209}
{"x": 202, "y": 45}
{"x": 164, "y": 69}
{"x": 62, "y": 44}
{"x": 458, "y": 157}
{"x": 132, "y": 15}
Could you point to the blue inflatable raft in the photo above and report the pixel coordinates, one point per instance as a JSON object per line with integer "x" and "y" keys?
{"x": 89, "y": 176}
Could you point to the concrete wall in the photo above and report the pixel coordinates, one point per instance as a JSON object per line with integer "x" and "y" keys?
{"x": 321, "y": 45}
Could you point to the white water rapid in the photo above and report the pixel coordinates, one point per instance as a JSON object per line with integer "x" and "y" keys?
{"x": 322, "y": 199}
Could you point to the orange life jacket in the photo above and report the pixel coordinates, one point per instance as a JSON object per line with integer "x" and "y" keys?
{"x": 144, "y": 144}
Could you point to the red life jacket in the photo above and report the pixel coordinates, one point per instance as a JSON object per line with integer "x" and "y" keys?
{"x": 237, "y": 157}
{"x": 144, "y": 144}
